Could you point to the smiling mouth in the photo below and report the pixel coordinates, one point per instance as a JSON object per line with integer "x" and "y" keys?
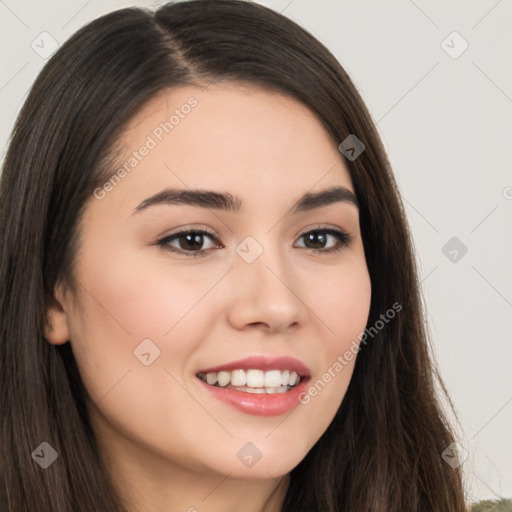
{"x": 253, "y": 380}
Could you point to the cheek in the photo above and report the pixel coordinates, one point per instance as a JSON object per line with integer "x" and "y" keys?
{"x": 126, "y": 302}
{"x": 144, "y": 300}
{"x": 341, "y": 300}
{"x": 339, "y": 297}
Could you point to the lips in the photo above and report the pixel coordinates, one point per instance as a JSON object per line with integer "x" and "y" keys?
{"x": 262, "y": 363}
{"x": 257, "y": 385}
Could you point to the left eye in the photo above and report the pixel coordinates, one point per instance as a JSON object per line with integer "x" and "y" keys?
{"x": 318, "y": 238}
{"x": 190, "y": 242}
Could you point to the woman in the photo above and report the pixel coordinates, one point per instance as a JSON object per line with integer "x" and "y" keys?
{"x": 209, "y": 295}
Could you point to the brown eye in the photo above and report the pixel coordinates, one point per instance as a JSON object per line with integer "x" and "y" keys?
{"x": 318, "y": 240}
{"x": 190, "y": 242}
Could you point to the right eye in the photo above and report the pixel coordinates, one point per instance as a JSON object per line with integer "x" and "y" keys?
{"x": 190, "y": 242}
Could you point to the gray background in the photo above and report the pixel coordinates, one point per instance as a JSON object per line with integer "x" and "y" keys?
{"x": 447, "y": 125}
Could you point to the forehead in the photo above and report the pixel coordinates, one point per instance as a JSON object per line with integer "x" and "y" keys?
{"x": 227, "y": 136}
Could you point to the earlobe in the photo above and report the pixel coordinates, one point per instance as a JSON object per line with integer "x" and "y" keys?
{"x": 57, "y": 328}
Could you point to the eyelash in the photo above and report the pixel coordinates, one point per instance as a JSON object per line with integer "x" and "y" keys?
{"x": 344, "y": 239}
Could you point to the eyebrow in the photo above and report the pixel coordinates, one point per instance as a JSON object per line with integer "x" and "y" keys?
{"x": 227, "y": 202}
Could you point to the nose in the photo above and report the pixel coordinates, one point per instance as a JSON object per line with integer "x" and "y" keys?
{"x": 266, "y": 294}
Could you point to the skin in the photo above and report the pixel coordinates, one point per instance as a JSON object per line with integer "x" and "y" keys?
{"x": 170, "y": 446}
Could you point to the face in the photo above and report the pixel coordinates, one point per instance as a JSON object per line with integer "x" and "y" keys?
{"x": 256, "y": 282}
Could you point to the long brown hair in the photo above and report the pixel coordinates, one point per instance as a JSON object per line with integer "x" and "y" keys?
{"x": 383, "y": 450}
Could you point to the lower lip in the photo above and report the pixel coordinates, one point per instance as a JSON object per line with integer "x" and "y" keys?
{"x": 261, "y": 404}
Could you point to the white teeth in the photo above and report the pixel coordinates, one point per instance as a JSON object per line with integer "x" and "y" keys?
{"x": 238, "y": 378}
{"x": 272, "y": 379}
{"x": 211, "y": 378}
{"x": 253, "y": 380}
{"x": 223, "y": 378}
{"x": 258, "y": 391}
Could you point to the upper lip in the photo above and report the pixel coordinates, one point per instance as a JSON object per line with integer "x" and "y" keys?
{"x": 262, "y": 363}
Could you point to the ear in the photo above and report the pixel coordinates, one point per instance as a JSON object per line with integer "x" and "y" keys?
{"x": 57, "y": 327}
